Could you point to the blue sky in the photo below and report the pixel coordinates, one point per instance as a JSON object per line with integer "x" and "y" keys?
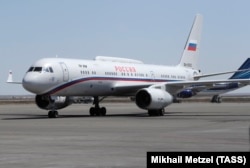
{"x": 153, "y": 31}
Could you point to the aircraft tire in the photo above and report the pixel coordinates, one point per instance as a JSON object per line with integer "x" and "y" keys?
{"x": 150, "y": 112}
{"x": 97, "y": 111}
{"x": 216, "y": 99}
{"x": 52, "y": 114}
{"x": 103, "y": 111}
{"x": 161, "y": 112}
{"x": 92, "y": 111}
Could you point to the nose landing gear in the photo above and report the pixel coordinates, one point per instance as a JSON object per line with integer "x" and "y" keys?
{"x": 52, "y": 113}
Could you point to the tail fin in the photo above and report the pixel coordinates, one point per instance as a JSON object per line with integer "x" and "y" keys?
{"x": 190, "y": 54}
{"x": 10, "y": 77}
{"x": 242, "y": 74}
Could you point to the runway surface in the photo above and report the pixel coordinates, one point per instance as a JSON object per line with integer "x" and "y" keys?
{"x": 121, "y": 139}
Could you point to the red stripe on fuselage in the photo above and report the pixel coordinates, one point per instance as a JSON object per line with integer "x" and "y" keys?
{"x": 68, "y": 84}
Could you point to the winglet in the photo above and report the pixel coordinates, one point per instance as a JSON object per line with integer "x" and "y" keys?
{"x": 10, "y": 78}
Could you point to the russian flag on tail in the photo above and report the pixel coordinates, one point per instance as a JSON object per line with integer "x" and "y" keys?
{"x": 192, "y": 45}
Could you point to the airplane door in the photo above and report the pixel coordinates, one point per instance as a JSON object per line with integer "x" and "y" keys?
{"x": 65, "y": 72}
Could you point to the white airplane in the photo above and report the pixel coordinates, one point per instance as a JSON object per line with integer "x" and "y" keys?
{"x": 56, "y": 81}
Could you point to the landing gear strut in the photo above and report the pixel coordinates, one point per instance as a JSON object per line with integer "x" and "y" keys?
{"x": 52, "y": 113}
{"x": 97, "y": 111}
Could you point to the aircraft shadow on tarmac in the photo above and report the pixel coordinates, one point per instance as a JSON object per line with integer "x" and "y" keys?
{"x": 33, "y": 116}
{"x": 168, "y": 115}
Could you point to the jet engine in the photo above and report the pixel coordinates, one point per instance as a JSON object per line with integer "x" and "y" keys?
{"x": 151, "y": 98}
{"x": 52, "y": 102}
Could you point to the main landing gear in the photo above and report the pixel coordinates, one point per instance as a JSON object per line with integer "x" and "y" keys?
{"x": 52, "y": 114}
{"x": 97, "y": 111}
{"x": 159, "y": 112}
{"x": 216, "y": 99}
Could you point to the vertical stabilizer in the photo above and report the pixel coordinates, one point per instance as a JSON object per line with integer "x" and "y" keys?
{"x": 190, "y": 54}
{"x": 10, "y": 77}
{"x": 242, "y": 74}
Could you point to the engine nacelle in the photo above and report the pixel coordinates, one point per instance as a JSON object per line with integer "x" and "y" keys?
{"x": 52, "y": 102}
{"x": 186, "y": 94}
{"x": 152, "y": 99}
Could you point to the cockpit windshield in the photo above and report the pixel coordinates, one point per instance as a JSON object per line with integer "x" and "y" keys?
{"x": 38, "y": 69}
{"x": 41, "y": 69}
{"x": 30, "y": 69}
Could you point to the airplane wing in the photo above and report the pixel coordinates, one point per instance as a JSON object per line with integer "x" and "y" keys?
{"x": 178, "y": 86}
{"x": 175, "y": 87}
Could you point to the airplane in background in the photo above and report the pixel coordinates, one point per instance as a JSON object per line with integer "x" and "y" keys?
{"x": 56, "y": 81}
{"x": 221, "y": 88}
{"x": 218, "y": 88}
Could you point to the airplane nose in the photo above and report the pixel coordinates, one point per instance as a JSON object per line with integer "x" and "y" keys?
{"x": 31, "y": 83}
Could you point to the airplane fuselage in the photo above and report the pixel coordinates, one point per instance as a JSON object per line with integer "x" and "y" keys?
{"x": 76, "y": 77}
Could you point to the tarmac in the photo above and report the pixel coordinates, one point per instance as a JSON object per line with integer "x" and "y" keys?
{"x": 28, "y": 138}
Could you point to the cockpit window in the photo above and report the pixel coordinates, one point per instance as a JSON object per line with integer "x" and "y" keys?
{"x": 30, "y": 69}
{"x": 41, "y": 69}
{"x": 51, "y": 70}
{"x": 46, "y": 69}
{"x": 37, "y": 69}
